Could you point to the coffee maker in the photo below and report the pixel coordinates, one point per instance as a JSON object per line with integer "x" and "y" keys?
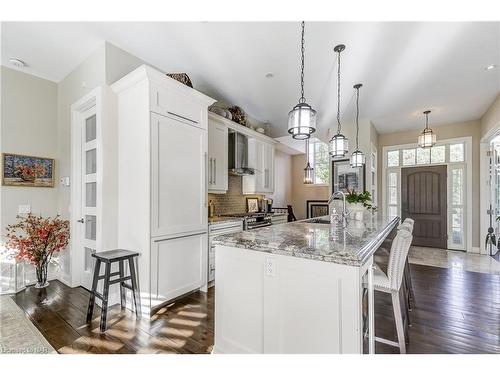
{"x": 267, "y": 205}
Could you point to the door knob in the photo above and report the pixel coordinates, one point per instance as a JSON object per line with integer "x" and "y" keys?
{"x": 81, "y": 220}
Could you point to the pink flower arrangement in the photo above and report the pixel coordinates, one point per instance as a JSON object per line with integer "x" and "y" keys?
{"x": 39, "y": 239}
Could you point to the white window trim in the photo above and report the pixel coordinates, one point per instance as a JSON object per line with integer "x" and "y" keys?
{"x": 313, "y": 164}
{"x": 468, "y": 185}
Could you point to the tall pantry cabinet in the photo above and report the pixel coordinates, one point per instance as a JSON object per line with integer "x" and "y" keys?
{"x": 162, "y": 182}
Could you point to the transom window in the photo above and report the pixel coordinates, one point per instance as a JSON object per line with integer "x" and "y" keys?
{"x": 453, "y": 154}
{"x": 320, "y": 161}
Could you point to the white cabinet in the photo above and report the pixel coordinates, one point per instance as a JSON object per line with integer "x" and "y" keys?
{"x": 162, "y": 182}
{"x": 178, "y": 186}
{"x": 177, "y": 266}
{"x": 217, "y": 157}
{"x": 261, "y": 158}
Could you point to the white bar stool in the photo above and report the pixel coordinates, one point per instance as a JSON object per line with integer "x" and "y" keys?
{"x": 391, "y": 283}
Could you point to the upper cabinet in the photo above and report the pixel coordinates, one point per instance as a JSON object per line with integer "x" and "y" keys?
{"x": 261, "y": 159}
{"x": 217, "y": 156}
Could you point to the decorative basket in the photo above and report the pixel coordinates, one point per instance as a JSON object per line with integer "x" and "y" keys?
{"x": 238, "y": 115}
{"x": 182, "y": 78}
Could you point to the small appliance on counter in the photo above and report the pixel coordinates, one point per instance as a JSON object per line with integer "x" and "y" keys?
{"x": 211, "y": 209}
{"x": 267, "y": 205}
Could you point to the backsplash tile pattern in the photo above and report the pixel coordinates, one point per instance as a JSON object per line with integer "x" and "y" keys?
{"x": 233, "y": 201}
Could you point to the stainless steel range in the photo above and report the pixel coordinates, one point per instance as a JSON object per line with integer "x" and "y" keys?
{"x": 252, "y": 220}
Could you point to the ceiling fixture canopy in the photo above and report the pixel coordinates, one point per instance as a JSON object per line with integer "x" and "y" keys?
{"x": 338, "y": 144}
{"x": 428, "y": 138}
{"x": 302, "y": 118}
{"x": 308, "y": 170}
{"x": 357, "y": 157}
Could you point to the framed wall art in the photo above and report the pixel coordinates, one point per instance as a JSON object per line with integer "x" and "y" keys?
{"x": 30, "y": 171}
{"x": 252, "y": 204}
{"x": 345, "y": 177}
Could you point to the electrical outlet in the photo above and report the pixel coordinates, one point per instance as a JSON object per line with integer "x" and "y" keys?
{"x": 270, "y": 267}
{"x": 24, "y": 209}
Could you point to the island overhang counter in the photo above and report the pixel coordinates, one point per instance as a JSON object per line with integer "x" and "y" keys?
{"x": 297, "y": 287}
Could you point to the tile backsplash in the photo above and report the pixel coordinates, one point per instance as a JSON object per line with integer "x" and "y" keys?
{"x": 233, "y": 201}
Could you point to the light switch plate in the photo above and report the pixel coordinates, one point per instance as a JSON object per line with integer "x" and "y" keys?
{"x": 24, "y": 209}
{"x": 64, "y": 181}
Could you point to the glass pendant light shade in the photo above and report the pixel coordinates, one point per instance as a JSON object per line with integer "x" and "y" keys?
{"x": 339, "y": 146}
{"x": 302, "y": 118}
{"x": 308, "y": 174}
{"x": 308, "y": 170}
{"x": 302, "y": 121}
{"x": 357, "y": 159}
{"x": 427, "y": 139}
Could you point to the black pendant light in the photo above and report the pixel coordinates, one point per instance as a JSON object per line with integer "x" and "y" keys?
{"x": 338, "y": 144}
{"x": 302, "y": 118}
{"x": 308, "y": 170}
{"x": 357, "y": 157}
{"x": 427, "y": 139}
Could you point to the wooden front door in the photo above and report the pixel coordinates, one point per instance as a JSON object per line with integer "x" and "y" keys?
{"x": 423, "y": 199}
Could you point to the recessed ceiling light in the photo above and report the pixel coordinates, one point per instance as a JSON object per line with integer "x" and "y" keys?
{"x": 490, "y": 67}
{"x": 17, "y": 63}
{"x": 269, "y": 75}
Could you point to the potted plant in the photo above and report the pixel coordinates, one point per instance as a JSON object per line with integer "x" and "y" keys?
{"x": 36, "y": 239}
{"x": 358, "y": 203}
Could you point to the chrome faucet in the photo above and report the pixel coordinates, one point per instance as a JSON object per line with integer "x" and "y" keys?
{"x": 344, "y": 212}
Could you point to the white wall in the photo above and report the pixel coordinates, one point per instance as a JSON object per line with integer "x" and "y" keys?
{"x": 283, "y": 180}
{"x": 28, "y": 127}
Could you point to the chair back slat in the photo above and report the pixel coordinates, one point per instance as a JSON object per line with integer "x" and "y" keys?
{"x": 397, "y": 258}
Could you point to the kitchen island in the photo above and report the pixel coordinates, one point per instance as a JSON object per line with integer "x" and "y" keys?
{"x": 297, "y": 287}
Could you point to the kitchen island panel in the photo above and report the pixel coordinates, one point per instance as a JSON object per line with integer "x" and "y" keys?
{"x": 271, "y": 303}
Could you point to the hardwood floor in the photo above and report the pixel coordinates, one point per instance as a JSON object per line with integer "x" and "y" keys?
{"x": 455, "y": 312}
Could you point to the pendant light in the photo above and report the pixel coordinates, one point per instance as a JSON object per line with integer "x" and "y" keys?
{"x": 357, "y": 157}
{"x": 339, "y": 143}
{"x": 308, "y": 170}
{"x": 427, "y": 139}
{"x": 302, "y": 118}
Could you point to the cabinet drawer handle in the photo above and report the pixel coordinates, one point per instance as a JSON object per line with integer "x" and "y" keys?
{"x": 215, "y": 171}
{"x": 210, "y": 172}
{"x": 182, "y": 117}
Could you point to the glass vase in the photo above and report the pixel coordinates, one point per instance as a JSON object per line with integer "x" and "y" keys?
{"x": 41, "y": 275}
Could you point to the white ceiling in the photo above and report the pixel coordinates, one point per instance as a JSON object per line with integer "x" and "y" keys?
{"x": 405, "y": 67}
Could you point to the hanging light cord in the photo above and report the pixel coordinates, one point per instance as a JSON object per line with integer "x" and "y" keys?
{"x": 357, "y": 117}
{"x": 426, "y": 121}
{"x": 338, "y": 95}
{"x": 302, "y": 98}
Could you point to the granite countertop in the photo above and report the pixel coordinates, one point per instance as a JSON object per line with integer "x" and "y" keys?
{"x": 322, "y": 242}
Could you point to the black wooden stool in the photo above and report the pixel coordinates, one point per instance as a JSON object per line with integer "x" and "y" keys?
{"x": 109, "y": 257}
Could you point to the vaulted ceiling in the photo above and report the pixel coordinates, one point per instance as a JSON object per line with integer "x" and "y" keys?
{"x": 405, "y": 67}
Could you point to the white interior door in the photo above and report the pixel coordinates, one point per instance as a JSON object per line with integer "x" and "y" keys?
{"x": 88, "y": 197}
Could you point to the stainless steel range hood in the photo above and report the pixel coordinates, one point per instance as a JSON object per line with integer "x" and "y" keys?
{"x": 238, "y": 154}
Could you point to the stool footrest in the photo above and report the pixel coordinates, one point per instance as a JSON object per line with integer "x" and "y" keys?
{"x": 98, "y": 295}
{"x": 110, "y": 275}
{"x": 119, "y": 280}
